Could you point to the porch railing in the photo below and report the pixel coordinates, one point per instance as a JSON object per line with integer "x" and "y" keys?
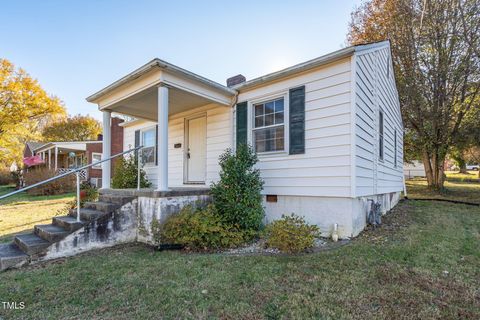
{"x": 77, "y": 172}
{"x": 82, "y": 173}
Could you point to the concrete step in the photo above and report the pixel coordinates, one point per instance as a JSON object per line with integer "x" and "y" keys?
{"x": 30, "y": 243}
{"x": 51, "y": 232}
{"x": 103, "y": 206}
{"x": 68, "y": 223}
{"x": 86, "y": 214}
{"x": 11, "y": 256}
{"x": 115, "y": 199}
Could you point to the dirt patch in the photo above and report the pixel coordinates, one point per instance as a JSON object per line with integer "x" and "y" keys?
{"x": 396, "y": 220}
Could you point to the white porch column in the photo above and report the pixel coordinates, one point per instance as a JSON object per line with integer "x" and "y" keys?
{"x": 162, "y": 152}
{"x": 106, "y": 146}
{"x": 49, "y": 158}
{"x": 56, "y": 158}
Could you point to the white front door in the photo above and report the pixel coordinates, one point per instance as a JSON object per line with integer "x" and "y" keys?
{"x": 196, "y": 151}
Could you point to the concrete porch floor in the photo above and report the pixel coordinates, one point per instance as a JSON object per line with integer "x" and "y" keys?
{"x": 152, "y": 193}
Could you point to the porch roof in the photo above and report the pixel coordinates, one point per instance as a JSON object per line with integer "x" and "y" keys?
{"x": 135, "y": 94}
{"x": 65, "y": 145}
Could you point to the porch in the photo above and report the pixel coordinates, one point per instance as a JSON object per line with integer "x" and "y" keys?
{"x": 183, "y": 121}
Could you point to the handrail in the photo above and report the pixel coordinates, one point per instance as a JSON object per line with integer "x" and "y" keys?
{"x": 68, "y": 173}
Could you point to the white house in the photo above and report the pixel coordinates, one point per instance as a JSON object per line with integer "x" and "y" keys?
{"x": 328, "y": 132}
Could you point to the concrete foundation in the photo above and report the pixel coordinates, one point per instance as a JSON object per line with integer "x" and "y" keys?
{"x": 131, "y": 222}
{"x": 349, "y": 213}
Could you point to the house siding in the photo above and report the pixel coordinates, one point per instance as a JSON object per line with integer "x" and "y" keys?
{"x": 375, "y": 90}
{"x": 219, "y": 138}
{"x": 325, "y": 167}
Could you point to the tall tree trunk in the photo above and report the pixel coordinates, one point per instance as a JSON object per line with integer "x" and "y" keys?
{"x": 434, "y": 170}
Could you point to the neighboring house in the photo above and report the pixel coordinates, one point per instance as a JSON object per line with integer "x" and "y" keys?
{"x": 328, "y": 132}
{"x": 94, "y": 152}
{"x": 30, "y": 146}
{"x": 65, "y": 156}
{"x": 414, "y": 169}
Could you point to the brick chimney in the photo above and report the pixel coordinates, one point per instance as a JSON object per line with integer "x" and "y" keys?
{"x": 232, "y": 81}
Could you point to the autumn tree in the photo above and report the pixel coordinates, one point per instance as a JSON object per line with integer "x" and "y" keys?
{"x": 25, "y": 108}
{"x": 73, "y": 128}
{"x": 437, "y": 67}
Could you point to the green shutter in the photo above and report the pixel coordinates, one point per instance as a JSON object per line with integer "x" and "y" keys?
{"x": 297, "y": 120}
{"x": 137, "y": 141}
{"x": 241, "y": 123}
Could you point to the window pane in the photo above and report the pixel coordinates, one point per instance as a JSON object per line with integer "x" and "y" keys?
{"x": 149, "y": 138}
{"x": 259, "y": 122}
{"x": 259, "y": 109}
{"x": 269, "y": 107}
{"x": 269, "y": 119}
{"x": 271, "y": 139}
{"x": 148, "y": 155}
{"x": 278, "y": 117}
{"x": 279, "y": 105}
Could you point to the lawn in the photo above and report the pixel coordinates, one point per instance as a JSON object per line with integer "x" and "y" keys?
{"x": 21, "y": 212}
{"x": 423, "y": 263}
{"x": 455, "y": 189}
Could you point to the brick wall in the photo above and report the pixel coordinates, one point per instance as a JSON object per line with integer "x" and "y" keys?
{"x": 116, "y": 147}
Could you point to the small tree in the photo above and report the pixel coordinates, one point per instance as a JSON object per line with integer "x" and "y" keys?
{"x": 126, "y": 173}
{"x": 236, "y": 196}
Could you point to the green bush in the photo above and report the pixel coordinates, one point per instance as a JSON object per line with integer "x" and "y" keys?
{"x": 237, "y": 195}
{"x": 126, "y": 173}
{"x": 291, "y": 234}
{"x": 197, "y": 229}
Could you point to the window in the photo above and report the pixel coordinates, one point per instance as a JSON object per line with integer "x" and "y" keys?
{"x": 395, "y": 150}
{"x": 95, "y": 158}
{"x": 148, "y": 142}
{"x": 268, "y": 126}
{"x": 380, "y": 135}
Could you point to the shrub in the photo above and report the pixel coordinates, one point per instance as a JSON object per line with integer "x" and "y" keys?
{"x": 199, "y": 229}
{"x": 88, "y": 193}
{"x": 291, "y": 234}
{"x": 63, "y": 185}
{"x": 125, "y": 176}
{"x": 6, "y": 177}
{"x": 237, "y": 195}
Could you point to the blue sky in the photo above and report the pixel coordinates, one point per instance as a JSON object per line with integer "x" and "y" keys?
{"x": 75, "y": 48}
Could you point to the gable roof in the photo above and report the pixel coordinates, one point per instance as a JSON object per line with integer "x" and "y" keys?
{"x": 310, "y": 64}
{"x": 32, "y": 145}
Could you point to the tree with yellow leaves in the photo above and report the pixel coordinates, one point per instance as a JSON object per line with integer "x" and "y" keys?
{"x": 25, "y": 108}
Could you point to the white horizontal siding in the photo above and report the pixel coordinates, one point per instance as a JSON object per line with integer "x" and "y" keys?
{"x": 325, "y": 168}
{"x": 219, "y": 137}
{"x": 374, "y": 90}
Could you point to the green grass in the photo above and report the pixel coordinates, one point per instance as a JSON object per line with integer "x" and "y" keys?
{"x": 423, "y": 263}
{"x": 21, "y": 212}
{"x": 454, "y": 190}
{"x": 471, "y": 176}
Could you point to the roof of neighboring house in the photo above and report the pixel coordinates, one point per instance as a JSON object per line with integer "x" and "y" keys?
{"x": 47, "y": 145}
{"x": 301, "y": 67}
{"x": 32, "y": 145}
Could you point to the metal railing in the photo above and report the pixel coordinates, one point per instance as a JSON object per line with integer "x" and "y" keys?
{"x": 77, "y": 173}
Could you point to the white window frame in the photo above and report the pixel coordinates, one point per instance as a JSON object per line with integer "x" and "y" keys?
{"x": 142, "y": 131}
{"x": 286, "y": 121}
{"x": 98, "y": 166}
